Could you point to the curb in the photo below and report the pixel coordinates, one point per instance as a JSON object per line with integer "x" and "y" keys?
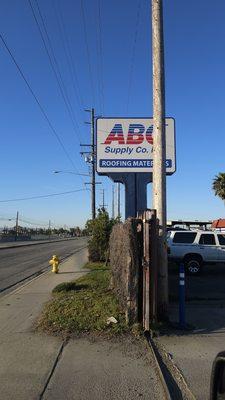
{"x": 13, "y": 246}
{"x": 153, "y": 352}
{"x": 163, "y": 357}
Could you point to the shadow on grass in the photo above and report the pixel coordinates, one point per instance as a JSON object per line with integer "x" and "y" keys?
{"x": 99, "y": 269}
{"x": 69, "y": 286}
{"x": 73, "y": 272}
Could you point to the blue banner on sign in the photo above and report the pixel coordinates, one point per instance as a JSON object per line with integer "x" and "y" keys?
{"x": 126, "y": 163}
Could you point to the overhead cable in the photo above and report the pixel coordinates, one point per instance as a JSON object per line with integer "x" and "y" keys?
{"x": 68, "y": 54}
{"x": 88, "y": 51}
{"x": 133, "y": 54}
{"x": 53, "y": 130}
{"x": 100, "y": 53}
{"x": 42, "y": 196}
{"x": 55, "y": 68}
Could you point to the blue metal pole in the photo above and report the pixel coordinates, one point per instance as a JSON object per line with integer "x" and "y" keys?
{"x": 182, "y": 323}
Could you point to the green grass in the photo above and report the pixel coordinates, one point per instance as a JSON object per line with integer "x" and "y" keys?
{"x": 93, "y": 266}
{"x": 83, "y": 306}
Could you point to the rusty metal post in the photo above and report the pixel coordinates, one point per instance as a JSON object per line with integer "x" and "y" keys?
{"x": 150, "y": 238}
{"x": 146, "y": 267}
{"x": 153, "y": 235}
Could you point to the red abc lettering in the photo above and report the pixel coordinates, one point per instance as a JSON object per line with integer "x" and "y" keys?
{"x": 116, "y": 134}
{"x": 135, "y": 134}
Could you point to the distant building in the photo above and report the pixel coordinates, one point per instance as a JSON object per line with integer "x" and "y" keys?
{"x": 218, "y": 224}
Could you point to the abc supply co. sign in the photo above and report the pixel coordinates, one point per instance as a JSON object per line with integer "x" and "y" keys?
{"x": 126, "y": 145}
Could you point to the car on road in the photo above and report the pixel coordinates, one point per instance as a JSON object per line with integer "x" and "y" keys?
{"x": 195, "y": 248}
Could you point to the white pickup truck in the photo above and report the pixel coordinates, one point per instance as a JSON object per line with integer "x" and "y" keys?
{"x": 196, "y": 248}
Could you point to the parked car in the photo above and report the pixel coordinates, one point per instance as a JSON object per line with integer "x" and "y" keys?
{"x": 217, "y": 386}
{"x": 196, "y": 248}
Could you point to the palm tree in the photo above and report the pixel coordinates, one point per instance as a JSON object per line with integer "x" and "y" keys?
{"x": 219, "y": 185}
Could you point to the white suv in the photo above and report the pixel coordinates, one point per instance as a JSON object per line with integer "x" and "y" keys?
{"x": 196, "y": 248}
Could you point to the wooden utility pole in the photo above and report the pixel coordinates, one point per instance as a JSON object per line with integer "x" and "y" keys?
{"x": 93, "y": 192}
{"x": 17, "y": 225}
{"x": 159, "y": 152}
{"x": 91, "y": 159}
{"x": 49, "y": 229}
{"x": 103, "y": 205}
{"x": 103, "y": 199}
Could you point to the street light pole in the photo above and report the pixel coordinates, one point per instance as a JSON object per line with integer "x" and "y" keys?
{"x": 159, "y": 152}
{"x": 69, "y": 172}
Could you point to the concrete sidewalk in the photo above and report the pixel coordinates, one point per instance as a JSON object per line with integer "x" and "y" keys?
{"x": 26, "y": 357}
{"x": 105, "y": 370}
{"x": 193, "y": 352}
{"x": 36, "y": 366}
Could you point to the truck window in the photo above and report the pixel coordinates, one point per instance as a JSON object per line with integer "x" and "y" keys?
{"x": 184, "y": 237}
{"x": 207, "y": 239}
{"x": 221, "y": 240}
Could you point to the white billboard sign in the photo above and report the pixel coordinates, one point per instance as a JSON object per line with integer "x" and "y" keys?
{"x": 126, "y": 144}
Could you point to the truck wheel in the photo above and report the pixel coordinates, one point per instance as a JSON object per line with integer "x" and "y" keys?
{"x": 193, "y": 265}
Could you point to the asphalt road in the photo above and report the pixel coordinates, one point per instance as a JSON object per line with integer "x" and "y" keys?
{"x": 208, "y": 286}
{"x": 17, "y": 264}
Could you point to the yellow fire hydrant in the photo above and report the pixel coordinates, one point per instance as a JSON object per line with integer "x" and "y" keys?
{"x": 55, "y": 264}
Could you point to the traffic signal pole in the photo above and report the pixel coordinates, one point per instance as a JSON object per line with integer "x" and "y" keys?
{"x": 159, "y": 152}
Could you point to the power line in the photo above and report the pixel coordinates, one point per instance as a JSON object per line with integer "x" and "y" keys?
{"x": 57, "y": 65}
{"x": 98, "y": 67}
{"x": 29, "y": 221}
{"x": 22, "y": 219}
{"x": 7, "y": 219}
{"x": 88, "y": 51}
{"x": 57, "y": 72}
{"x": 37, "y": 101}
{"x": 32, "y": 223}
{"x": 39, "y": 224}
{"x": 68, "y": 53}
{"x": 42, "y": 196}
{"x": 133, "y": 54}
{"x": 101, "y": 88}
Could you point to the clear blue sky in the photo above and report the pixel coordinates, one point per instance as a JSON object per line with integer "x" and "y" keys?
{"x": 195, "y": 97}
